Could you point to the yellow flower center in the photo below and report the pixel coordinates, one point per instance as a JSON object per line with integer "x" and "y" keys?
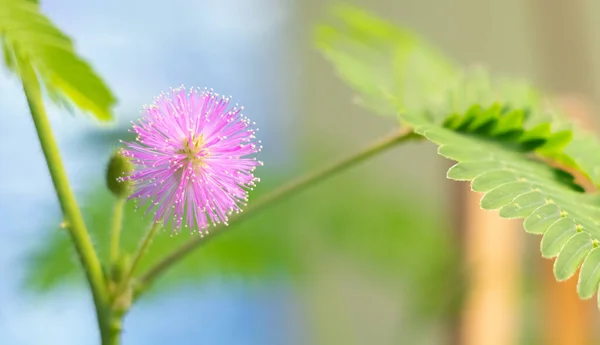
{"x": 194, "y": 151}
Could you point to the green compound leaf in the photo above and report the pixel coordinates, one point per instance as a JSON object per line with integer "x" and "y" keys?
{"x": 490, "y": 143}
{"x": 503, "y": 162}
{"x": 396, "y": 72}
{"x": 27, "y": 36}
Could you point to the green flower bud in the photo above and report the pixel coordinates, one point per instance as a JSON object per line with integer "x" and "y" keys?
{"x": 118, "y": 166}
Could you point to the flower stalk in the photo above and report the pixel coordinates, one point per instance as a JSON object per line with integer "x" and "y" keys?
{"x": 125, "y": 283}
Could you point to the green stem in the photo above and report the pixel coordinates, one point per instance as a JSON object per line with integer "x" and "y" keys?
{"x": 274, "y": 198}
{"x": 115, "y": 237}
{"x": 143, "y": 248}
{"x": 124, "y": 284}
{"x": 114, "y": 329}
{"x": 68, "y": 203}
{"x": 122, "y": 297}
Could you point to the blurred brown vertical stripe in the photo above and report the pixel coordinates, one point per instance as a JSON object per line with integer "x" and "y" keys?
{"x": 492, "y": 255}
{"x": 566, "y": 69}
{"x": 458, "y": 196}
{"x": 566, "y": 318}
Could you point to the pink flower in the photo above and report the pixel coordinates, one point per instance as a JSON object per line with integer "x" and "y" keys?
{"x": 192, "y": 158}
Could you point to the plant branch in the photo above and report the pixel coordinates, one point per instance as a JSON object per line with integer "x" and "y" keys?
{"x": 277, "y": 196}
{"x": 68, "y": 203}
{"x": 124, "y": 284}
{"x": 142, "y": 250}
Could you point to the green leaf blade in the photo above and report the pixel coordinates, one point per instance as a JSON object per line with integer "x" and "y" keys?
{"x": 589, "y": 277}
{"x": 542, "y": 218}
{"x": 572, "y": 255}
{"x": 466, "y": 171}
{"x": 491, "y": 180}
{"x": 523, "y": 206}
{"x": 504, "y": 194}
{"x": 29, "y": 37}
{"x": 556, "y": 236}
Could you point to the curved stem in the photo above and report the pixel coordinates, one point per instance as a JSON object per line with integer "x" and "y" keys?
{"x": 68, "y": 203}
{"x": 142, "y": 249}
{"x": 275, "y": 197}
{"x": 115, "y": 237}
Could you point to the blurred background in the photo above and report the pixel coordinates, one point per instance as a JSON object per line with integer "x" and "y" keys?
{"x": 389, "y": 252}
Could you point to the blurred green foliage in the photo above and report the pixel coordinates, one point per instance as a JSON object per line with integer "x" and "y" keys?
{"x": 29, "y": 37}
{"x": 397, "y": 72}
{"x": 392, "y": 68}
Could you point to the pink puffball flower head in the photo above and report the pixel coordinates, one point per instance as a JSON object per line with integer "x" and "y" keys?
{"x": 193, "y": 159}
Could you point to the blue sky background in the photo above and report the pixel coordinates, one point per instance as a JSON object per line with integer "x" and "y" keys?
{"x": 237, "y": 47}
